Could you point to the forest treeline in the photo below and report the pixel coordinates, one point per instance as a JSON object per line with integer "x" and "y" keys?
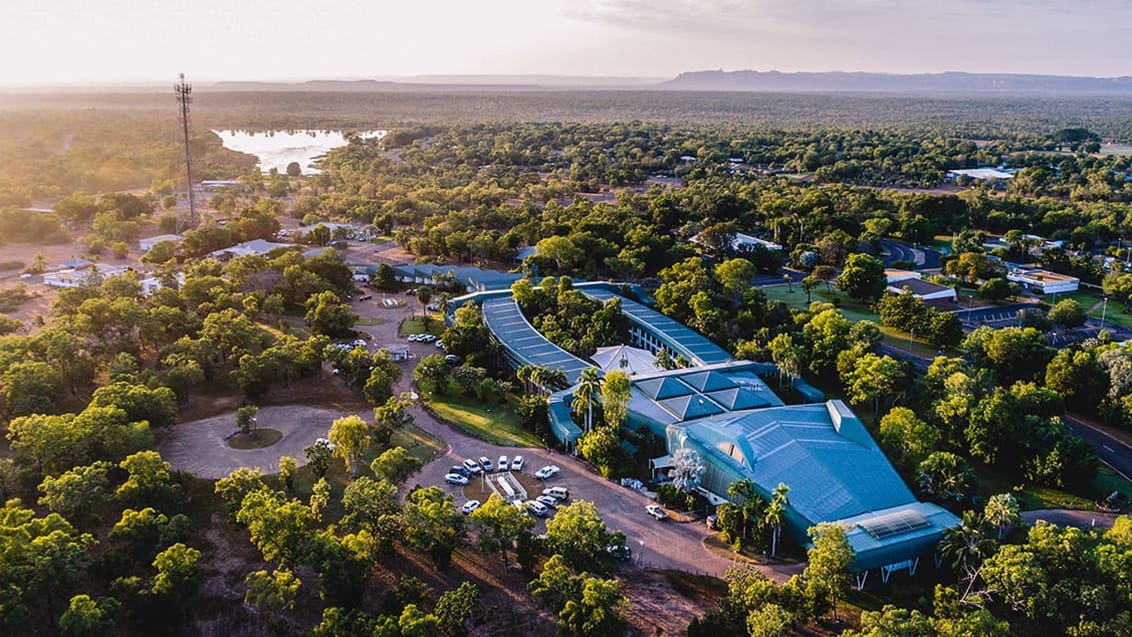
{"x": 973, "y": 116}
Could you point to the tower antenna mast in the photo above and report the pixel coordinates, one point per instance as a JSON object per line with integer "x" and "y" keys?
{"x": 184, "y": 93}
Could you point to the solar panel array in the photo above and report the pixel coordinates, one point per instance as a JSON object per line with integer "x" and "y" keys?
{"x": 506, "y": 321}
{"x": 679, "y": 337}
{"x": 893, "y": 524}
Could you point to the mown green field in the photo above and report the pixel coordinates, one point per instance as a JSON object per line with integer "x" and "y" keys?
{"x": 796, "y": 298}
{"x": 497, "y": 424}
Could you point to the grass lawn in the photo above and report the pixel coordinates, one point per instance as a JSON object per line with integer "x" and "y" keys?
{"x": 1033, "y": 496}
{"x": 497, "y": 424}
{"x": 900, "y": 340}
{"x": 256, "y": 439}
{"x": 1086, "y": 299}
{"x": 797, "y": 299}
{"x": 970, "y": 299}
{"x": 415, "y": 325}
{"x": 1108, "y": 481}
{"x": 418, "y": 442}
{"x": 1114, "y": 315}
{"x": 941, "y": 241}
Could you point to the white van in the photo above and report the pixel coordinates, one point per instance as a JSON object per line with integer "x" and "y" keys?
{"x": 537, "y": 508}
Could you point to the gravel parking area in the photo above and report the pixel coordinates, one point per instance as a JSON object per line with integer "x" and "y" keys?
{"x": 198, "y": 447}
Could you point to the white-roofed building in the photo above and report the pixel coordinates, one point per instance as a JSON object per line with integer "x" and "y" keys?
{"x": 923, "y": 290}
{"x": 1043, "y": 281}
{"x": 148, "y": 242}
{"x": 631, "y": 360}
{"x": 980, "y": 174}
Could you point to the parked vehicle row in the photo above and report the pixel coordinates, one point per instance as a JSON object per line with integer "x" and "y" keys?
{"x": 422, "y": 338}
{"x": 474, "y": 467}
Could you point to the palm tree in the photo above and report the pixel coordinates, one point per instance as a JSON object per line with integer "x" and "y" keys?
{"x": 553, "y": 379}
{"x": 585, "y": 395}
{"x": 966, "y": 546}
{"x": 776, "y": 513}
{"x": 1002, "y": 511}
{"x": 751, "y": 503}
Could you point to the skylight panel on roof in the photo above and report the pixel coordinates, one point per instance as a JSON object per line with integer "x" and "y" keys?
{"x": 893, "y": 524}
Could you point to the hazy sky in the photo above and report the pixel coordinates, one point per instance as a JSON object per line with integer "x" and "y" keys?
{"x": 53, "y": 41}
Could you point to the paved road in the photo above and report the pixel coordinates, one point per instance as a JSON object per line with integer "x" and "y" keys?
{"x": 921, "y": 365}
{"x": 924, "y": 258}
{"x": 1113, "y": 452}
{"x": 1064, "y": 517}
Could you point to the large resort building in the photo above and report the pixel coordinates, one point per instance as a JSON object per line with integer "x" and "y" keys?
{"x": 723, "y": 409}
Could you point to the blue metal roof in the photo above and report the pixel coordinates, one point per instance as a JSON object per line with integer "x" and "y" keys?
{"x": 663, "y": 387}
{"x": 691, "y": 406}
{"x": 560, "y": 421}
{"x": 677, "y": 337}
{"x": 523, "y": 342}
{"x": 708, "y": 381}
{"x": 834, "y": 471}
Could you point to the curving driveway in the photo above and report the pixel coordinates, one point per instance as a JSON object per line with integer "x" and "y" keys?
{"x": 666, "y": 545}
{"x": 199, "y": 448}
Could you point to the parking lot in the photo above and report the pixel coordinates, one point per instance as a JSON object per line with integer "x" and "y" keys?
{"x": 655, "y": 544}
{"x": 998, "y": 316}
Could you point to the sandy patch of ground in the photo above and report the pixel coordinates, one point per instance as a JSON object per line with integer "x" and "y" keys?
{"x": 198, "y": 447}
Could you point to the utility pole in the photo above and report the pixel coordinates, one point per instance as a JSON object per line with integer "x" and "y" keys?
{"x": 184, "y": 92}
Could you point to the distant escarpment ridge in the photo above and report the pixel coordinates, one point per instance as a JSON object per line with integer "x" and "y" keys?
{"x": 953, "y": 82}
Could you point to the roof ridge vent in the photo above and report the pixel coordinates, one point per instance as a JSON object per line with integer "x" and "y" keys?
{"x": 846, "y": 423}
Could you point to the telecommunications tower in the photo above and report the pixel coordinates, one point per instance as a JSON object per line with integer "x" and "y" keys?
{"x": 184, "y": 93}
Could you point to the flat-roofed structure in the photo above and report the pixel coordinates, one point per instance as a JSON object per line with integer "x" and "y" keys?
{"x": 1043, "y": 281}
{"x": 835, "y": 472}
{"x": 258, "y": 247}
{"x": 981, "y": 174}
{"x": 147, "y": 243}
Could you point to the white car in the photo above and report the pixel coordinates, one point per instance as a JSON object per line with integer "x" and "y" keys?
{"x": 548, "y": 501}
{"x": 473, "y": 466}
{"x": 428, "y": 338}
{"x": 470, "y": 506}
{"x": 517, "y": 463}
{"x": 486, "y": 464}
{"x": 657, "y": 512}
{"x": 503, "y": 464}
{"x": 440, "y": 345}
{"x": 455, "y": 478}
{"x": 547, "y": 472}
{"x": 537, "y": 508}
{"x": 413, "y": 338}
{"x": 558, "y": 493}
